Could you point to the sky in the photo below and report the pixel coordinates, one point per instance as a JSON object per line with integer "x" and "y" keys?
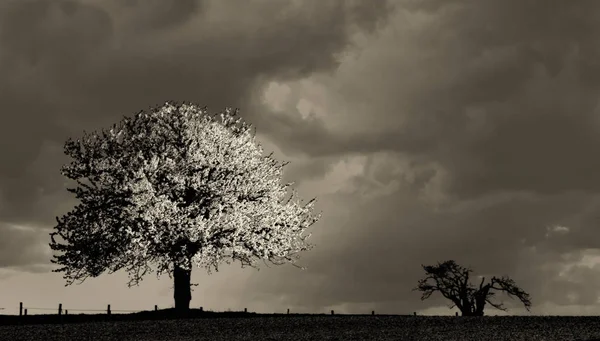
{"x": 428, "y": 130}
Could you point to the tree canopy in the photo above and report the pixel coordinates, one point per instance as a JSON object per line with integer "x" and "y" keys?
{"x": 176, "y": 186}
{"x": 452, "y": 281}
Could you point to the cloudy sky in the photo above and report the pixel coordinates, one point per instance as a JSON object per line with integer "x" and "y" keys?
{"x": 428, "y": 130}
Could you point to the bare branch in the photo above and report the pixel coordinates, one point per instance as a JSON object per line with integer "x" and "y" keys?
{"x": 499, "y": 306}
{"x": 508, "y": 285}
{"x": 452, "y": 281}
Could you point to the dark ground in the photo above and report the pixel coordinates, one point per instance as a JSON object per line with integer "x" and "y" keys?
{"x": 248, "y": 326}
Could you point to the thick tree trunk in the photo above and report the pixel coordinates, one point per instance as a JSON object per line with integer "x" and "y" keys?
{"x": 480, "y": 305}
{"x": 466, "y": 311}
{"x": 182, "y": 293}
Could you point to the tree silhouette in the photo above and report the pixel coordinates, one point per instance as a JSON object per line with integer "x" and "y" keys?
{"x": 452, "y": 281}
{"x": 175, "y": 186}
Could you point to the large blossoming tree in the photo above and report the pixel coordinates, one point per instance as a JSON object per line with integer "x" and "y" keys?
{"x": 175, "y": 186}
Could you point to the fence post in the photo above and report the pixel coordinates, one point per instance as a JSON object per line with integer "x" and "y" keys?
{"x": 201, "y": 309}
{"x": 245, "y": 310}
{"x": 332, "y": 312}
{"x": 20, "y": 308}
{"x": 415, "y": 313}
{"x": 456, "y": 313}
{"x": 59, "y": 309}
{"x": 155, "y": 307}
{"x": 108, "y": 310}
{"x": 373, "y": 312}
{"x": 66, "y": 312}
{"x": 288, "y": 311}
{"x": 25, "y": 311}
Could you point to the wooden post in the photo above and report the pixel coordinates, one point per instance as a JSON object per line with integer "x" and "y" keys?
{"x": 201, "y": 309}
{"x": 456, "y": 313}
{"x": 245, "y": 310}
{"x": 66, "y": 312}
{"x": 20, "y": 308}
{"x": 108, "y": 310}
{"x": 25, "y": 311}
{"x": 415, "y": 313}
{"x": 59, "y": 309}
{"x": 155, "y": 307}
{"x": 288, "y": 311}
{"x": 373, "y": 312}
{"x": 332, "y": 312}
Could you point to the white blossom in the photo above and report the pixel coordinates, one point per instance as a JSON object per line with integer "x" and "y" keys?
{"x": 177, "y": 175}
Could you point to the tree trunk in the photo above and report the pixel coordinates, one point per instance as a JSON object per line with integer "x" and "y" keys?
{"x": 480, "y": 304}
{"x": 182, "y": 293}
{"x": 466, "y": 311}
{"x": 466, "y": 308}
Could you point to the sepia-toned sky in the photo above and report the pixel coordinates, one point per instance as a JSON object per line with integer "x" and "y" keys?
{"x": 427, "y": 130}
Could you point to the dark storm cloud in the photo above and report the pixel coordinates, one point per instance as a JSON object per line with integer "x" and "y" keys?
{"x": 68, "y": 66}
{"x": 372, "y": 258}
{"x": 24, "y": 248}
{"x": 38, "y": 40}
{"x": 502, "y": 93}
{"x": 51, "y": 33}
{"x": 527, "y": 84}
{"x": 312, "y": 168}
{"x": 460, "y": 130}
{"x": 160, "y": 15}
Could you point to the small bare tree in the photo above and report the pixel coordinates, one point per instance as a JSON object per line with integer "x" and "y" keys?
{"x": 452, "y": 281}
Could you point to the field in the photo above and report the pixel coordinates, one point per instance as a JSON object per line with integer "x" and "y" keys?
{"x": 317, "y": 327}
